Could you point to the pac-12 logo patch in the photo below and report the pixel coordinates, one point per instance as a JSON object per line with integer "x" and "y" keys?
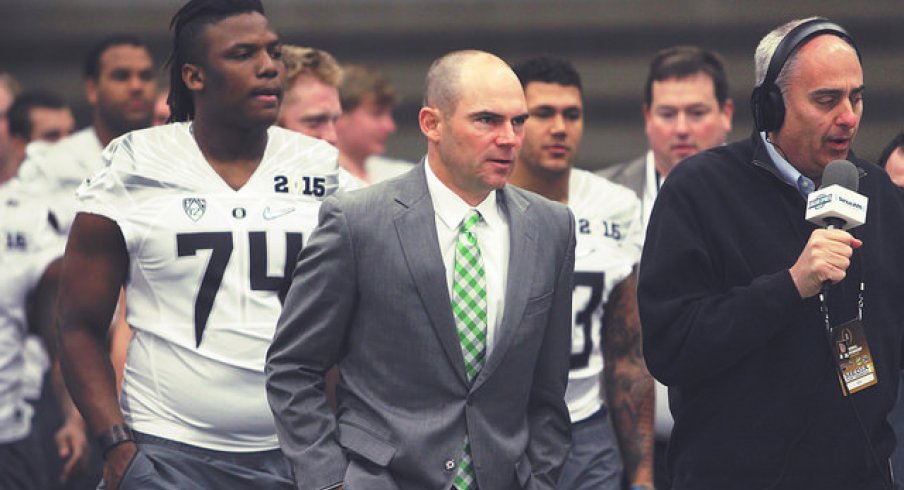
{"x": 194, "y": 207}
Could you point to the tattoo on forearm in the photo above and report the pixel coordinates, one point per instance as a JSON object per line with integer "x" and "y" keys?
{"x": 629, "y": 386}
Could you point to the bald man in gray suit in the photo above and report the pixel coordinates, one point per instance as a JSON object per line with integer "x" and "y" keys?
{"x": 376, "y": 290}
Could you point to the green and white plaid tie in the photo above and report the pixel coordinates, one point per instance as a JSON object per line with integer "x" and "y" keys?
{"x": 469, "y": 305}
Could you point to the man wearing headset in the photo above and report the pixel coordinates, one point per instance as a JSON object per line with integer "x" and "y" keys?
{"x": 729, "y": 293}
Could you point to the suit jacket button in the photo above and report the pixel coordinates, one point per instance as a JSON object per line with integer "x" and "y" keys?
{"x": 450, "y": 464}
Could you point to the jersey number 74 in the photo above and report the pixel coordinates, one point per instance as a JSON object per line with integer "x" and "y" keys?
{"x": 220, "y": 245}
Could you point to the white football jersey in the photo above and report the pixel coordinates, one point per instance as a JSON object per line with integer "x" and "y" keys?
{"x": 29, "y": 244}
{"x": 58, "y": 169}
{"x": 37, "y": 363}
{"x": 607, "y": 219}
{"x": 208, "y": 268}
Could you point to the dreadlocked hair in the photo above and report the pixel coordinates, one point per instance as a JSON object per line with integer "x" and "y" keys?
{"x": 187, "y": 25}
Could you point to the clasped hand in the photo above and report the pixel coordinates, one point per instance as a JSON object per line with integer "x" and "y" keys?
{"x": 826, "y": 257}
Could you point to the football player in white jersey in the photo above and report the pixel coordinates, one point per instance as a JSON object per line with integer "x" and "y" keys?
{"x": 312, "y": 105}
{"x": 119, "y": 83}
{"x": 120, "y": 86}
{"x": 608, "y": 377}
{"x": 29, "y": 247}
{"x": 201, "y": 220}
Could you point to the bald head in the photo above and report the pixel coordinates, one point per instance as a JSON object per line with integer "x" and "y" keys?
{"x": 446, "y": 76}
{"x": 473, "y": 118}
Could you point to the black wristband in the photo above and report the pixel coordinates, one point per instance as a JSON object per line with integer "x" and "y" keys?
{"x": 114, "y": 436}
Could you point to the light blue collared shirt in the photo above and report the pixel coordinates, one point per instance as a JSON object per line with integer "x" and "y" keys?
{"x": 791, "y": 175}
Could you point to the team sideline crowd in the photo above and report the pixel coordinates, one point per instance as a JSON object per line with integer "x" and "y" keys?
{"x": 224, "y": 283}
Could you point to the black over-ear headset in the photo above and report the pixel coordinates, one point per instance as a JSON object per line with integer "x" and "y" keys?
{"x": 766, "y": 101}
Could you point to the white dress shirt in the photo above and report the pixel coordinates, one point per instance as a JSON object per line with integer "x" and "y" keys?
{"x": 650, "y": 189}
{"x": 492, "y": 237}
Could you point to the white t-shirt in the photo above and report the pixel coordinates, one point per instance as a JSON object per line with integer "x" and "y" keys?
{"x": 380, "y": 168}
{"x": 29, "y": 244}
{"x": 208, "y": 267}
{"x": 608, "y": 231}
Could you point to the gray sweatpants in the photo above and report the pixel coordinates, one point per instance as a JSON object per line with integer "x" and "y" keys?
{"x": 162, "y": 464}
{"x": 594, "y": 461}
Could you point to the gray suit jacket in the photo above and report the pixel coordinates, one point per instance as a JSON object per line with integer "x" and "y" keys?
{"x": 369, "y": 293}
{"x": 629, "y": 174}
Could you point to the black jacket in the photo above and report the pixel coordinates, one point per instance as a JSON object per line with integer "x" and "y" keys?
{"x": 756, "y": 400}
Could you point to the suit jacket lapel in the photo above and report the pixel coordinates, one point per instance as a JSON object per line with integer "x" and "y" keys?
{"x": 416, "y": 227}
{"x": 636, "y": 175}
{"x": 522, "y": 258}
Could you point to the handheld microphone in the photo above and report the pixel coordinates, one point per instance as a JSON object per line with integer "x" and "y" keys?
{"x": 837, "y": 204}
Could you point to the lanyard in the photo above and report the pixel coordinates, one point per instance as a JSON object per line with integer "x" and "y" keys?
{"x": 824, "y": 308}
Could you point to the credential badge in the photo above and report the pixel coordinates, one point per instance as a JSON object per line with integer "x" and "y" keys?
{"x": 194, "y": 207}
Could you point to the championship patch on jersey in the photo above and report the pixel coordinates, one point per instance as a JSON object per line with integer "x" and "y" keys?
{"x": 316, "y": 186}
{"x": 194, "y": 207}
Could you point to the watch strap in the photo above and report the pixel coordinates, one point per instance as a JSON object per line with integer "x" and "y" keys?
{"x": 114, "y": 436}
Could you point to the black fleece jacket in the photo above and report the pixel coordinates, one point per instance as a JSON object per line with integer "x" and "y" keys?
{"x": 756, "y": 400}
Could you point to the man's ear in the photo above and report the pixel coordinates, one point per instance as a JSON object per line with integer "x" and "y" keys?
{"x": 91, "y": 91}
{"x": 430, "y": 120}
{"x": 726, "y": 114}
{"x": 193, "y": 77}
{"x": 18, "y": 143}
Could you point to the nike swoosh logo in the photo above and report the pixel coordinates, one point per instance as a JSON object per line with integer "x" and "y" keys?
{"x": 276, "y": 213}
